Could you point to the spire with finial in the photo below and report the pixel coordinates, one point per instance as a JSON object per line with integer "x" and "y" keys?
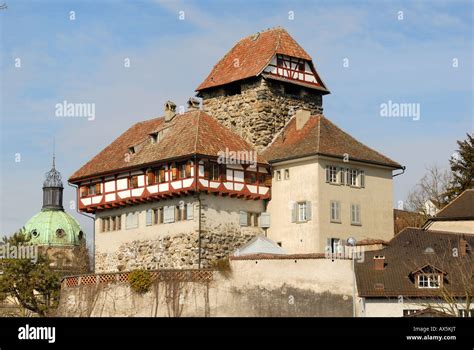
{"x": 53, "y": 187}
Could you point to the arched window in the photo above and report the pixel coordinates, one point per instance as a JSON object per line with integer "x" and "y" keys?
{"x": 60, "y": 233}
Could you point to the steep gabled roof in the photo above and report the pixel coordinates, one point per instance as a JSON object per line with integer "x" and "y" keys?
{"x": 319, "y": 136}
{"x": 462, "y": 207}
{"x": 249, "y": 57}
{"x": 413, "y": 250}
{"x": 194, "y": 132}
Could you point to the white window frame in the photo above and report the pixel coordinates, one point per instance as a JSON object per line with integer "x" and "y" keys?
{"x": 332, "y": 174}
{"x": 353, "y": 177}
{"x": 355, "y": 214}
{"x": 426, "y": 280}
{"x": 302, "y": 212}
{"x": 335, "y": 208}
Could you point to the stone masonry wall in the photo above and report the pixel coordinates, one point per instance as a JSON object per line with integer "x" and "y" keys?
{"x": 175, "y": 252}
{"x": 260, "y": 111}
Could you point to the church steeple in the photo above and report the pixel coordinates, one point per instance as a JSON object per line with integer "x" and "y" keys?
{"x": 53, "y": 189}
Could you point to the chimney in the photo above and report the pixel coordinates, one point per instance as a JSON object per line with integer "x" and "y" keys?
{"x": 463, "y": 247}
{"x": 379, "y": 262}
{"x": 170, "y": 111}
{"x": 194, "y": 104}
{"x": 302, "y": 116}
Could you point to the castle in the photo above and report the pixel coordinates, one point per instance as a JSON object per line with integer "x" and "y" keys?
{"x": 166, "y": 193}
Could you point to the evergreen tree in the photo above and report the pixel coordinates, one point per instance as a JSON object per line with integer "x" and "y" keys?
{"x": 462, "y": 168}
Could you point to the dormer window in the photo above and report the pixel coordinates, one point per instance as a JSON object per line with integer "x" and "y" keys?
{"x": 428, "y": 277}
{"x": 131, "y": 150}
{"x": 429, "y": 280}
{"x": 154, "y": 138}
{"x": 301, "y": 66}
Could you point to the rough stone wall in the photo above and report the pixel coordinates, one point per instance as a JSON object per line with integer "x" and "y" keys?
{"x": 175, "y": 252}
{"x": 176, "y": 245}
{"x": 260, "y": 110}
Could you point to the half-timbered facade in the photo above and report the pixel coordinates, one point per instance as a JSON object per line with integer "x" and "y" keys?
{"x": 164, "y": 180}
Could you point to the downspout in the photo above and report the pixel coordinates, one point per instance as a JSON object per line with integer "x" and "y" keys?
{"x": 93, "y": 225}
{"x": 198, "y": 197}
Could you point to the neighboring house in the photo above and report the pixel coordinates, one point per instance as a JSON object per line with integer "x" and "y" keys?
{"x": 327, "y": 187}
{"x": 405, "y": 218}
{"x": 164, "y": 196}
{"x": 418, "y": 270}
{"x": 457, "y": 216}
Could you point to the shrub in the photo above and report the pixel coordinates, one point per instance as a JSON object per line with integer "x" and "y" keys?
{"x": 140, "y": 281}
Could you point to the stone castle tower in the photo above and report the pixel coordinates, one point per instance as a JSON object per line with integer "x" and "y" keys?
{"x": 260, "y": 83}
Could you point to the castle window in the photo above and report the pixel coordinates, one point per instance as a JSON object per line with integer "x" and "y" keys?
{"x": 184, "y": 170}
{"x": 174, "y": 172}
{"x": 287, "y": 174}
{"x": 279, "y": 61}
{"x": 278, "y": 175}
{"x": 151, "y": 177}
{"x": 250, "y": 177}
{"x": 84, "y": 191}
{"x": 333, "y": 245}
{"x": 133, "y": 183}
{"x": 211, "y": 171}
{"x": 301, "y": 66}
{"x": 132, "y": 220}
{"x": 94, "y": 189}
{"x": 161, "y": 175}
{"x": 81, "y": 235}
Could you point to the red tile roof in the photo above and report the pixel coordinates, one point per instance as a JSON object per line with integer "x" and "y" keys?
{"x": 319, "y": 136}
{"x": 194, "y": 132}
{"x": 253, "y": 54}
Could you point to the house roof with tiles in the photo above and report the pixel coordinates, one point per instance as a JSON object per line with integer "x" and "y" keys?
{"x": 252, "y": 54}
{"x": 187, "y": 134}
{"x": 319, "y": 136}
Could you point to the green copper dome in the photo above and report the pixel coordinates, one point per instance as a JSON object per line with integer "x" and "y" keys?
{"x": 54, "y": 227}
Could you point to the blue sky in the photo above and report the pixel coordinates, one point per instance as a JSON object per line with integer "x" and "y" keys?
{"x": 81, "y": 61}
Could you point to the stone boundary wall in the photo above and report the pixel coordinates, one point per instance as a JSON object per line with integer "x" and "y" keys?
{"x": 261, "y": 288}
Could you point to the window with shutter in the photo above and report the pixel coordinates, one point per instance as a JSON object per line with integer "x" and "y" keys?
{"x": 294, "y": 212}
{"x": 98, "y": 189}
{"x": 309, "y": 211}
{"x": 206, "y": 170}
{"x": 189, "y": 211}
{"x": 168, "y": 214}
{"x": 362, "y": 178}
{"x": 84, "y": 191}
{"x": 149, "y": 217}
{"x": 268, "y": 180}
{"x": 243, "y": 218}
{"x": 161, "y": 175}
{"x": 188, "y": 169}
{"x": 265, "y": 220}
{"x": 132, "y": 220}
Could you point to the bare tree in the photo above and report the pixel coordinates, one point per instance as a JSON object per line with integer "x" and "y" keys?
{"x": 431, "y": 188}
